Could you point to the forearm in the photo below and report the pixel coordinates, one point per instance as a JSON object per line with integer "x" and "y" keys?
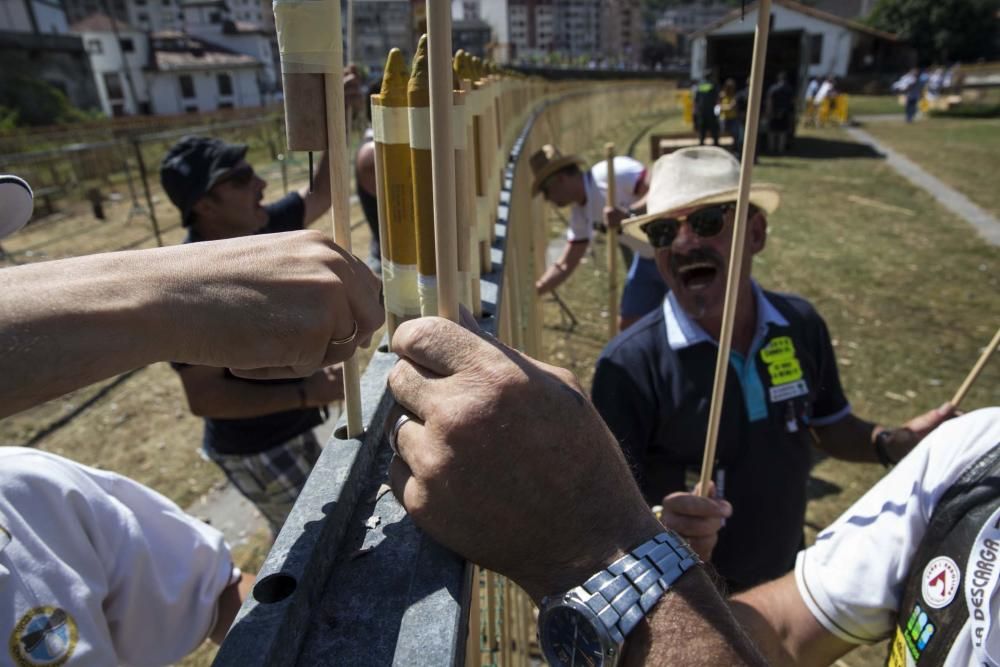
{"x": 849, "y": 439}
{"x": 68, "y": 323}
{"x": 563, "y": 268}
{"x": 691, "y": 625}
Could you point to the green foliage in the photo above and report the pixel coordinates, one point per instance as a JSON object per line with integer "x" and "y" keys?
{"x": 941, "y": 30}
{"x": 8, "y": 119}
{"x": 35, "y": 102}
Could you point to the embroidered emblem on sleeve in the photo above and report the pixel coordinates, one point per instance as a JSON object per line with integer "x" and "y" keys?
{"x": 43, "y": 636}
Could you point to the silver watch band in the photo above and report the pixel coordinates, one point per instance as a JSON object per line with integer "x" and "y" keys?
{"x": 623, "y": 593}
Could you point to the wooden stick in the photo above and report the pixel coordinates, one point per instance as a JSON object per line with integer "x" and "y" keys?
{"x": 609, "y": 152}
{"x": 739, "y": 235}
{"x": 340, "y": 209}
{"x": 391, "y": 322}
{"x": 974, "y": 373}
{"x": 443, "y": 157}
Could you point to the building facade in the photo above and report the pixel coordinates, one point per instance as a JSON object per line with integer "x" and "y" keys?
{"x": 35, "y": 43}
{"x": 188, "y": 75}
{"x": 118, "y": 54}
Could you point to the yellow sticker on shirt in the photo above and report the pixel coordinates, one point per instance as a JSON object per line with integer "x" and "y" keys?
{"x": 782, "y": 364}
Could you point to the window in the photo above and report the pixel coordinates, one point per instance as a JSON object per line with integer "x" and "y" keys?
{"x": 187, "y": 86}
{"x": 113, "y": 84}
{"x": 215, "y": 17}
{"x": 128, "y": 46}
{"x": 815, "y": 49}
{"x": 225, "y": 85}
{"x": 94, "y": 46}
{"x": 225, "y": 105}
{"x": 190, "y": 109}
{"x": 142, "y": 17}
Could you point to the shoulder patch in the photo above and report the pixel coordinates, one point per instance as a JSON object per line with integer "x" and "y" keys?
{"x": 940, "y": 582}
{"x": 43, "y": 636}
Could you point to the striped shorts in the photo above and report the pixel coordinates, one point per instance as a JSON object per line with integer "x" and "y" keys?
{"x": 272, "y": 479}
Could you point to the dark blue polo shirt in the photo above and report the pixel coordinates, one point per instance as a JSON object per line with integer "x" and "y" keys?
{"x": 653, "y": 386}
{"x": 257, "y": 434}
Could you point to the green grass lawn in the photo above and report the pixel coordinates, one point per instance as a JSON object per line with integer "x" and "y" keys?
{"x": 861, "y": 105}
{"x": 961, "y": 152}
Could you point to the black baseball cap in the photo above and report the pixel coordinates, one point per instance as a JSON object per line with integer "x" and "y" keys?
{"x": 192, "y": 166}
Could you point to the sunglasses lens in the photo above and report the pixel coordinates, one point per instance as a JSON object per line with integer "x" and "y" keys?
{"x": 708, "y": 221}
{"x": 661, "y": 232}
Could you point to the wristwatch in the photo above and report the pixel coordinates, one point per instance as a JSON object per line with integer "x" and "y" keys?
{"x": 588, "y": 624}
{"x": 881, "y": 448}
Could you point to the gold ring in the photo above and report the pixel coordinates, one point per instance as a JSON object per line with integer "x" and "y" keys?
{"x": 349, "y": 339}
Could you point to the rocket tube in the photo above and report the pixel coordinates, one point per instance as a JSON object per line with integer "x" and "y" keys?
{"x": 468, "y": 217}
{"x": 391, "y": 125}
{"x": 418, "y": 100}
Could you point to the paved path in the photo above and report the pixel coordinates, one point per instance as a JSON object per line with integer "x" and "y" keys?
{"x": 985, "y": 223}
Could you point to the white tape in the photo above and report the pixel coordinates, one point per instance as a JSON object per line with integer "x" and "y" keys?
{"x": 420, "y": 127}
{"x": 400, "y": 281}
{"x": 308, "y": 35}
{"x": 391, "y": 125}
{"x": 427, "y": 287}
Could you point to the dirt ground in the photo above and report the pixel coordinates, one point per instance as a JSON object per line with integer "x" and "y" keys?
{"x": 909, "y": 300}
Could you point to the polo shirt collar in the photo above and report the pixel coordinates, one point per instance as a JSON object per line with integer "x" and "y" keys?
{"x": 684, "y": 332}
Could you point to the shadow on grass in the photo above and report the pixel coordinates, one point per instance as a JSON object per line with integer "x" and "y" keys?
{"x": 831, "y": 149}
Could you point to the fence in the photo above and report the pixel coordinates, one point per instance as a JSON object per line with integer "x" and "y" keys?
{"x": 350, "y": 579}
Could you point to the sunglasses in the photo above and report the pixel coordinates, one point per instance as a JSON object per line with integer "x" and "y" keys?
{"x": 239, "y": 177}
{"x": 705, "y": 222}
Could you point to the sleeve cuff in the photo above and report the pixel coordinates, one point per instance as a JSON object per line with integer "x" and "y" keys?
{"x": 817, "y": 602}
{"x": 830, "y": 419}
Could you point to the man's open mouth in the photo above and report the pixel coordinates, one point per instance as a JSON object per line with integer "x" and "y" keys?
{"x": 697, "y": 275}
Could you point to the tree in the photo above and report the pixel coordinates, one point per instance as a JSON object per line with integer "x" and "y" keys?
{"x": 941, "y": 30}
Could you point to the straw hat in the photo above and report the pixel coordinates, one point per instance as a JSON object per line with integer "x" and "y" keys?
{"x": 696, "y": 176}
{"x": 547, "y": 161}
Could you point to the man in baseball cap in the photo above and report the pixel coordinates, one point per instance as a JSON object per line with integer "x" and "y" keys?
{"x": 259, "y": 432}
{"x": 653, "y": 383}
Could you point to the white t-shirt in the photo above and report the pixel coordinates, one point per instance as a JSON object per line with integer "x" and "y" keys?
{"x": 96, "y": 569}
{"x": 582, "y": 219}
{"x": 825, "y": 89}
{"x": 852, "y": 578}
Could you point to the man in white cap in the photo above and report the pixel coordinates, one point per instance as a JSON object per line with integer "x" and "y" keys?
{"x": 564, "y": 181}
{"x": 653, "y": 384}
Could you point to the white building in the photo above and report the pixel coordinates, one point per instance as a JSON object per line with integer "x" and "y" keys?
{"x": 495, "y": 13}
{"x": 804, "y": 42}
{"x": 35, "y": 43}
{"x": 189, "y": 75}
{"x": 118, "y": 63}
{"x": 569, "y": 29}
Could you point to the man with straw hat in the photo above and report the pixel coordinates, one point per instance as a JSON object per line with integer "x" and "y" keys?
{"x": 653, "y": 384}
{"x": 564, "y": 180}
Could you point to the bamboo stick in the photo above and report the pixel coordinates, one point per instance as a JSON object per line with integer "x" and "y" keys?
{"x": 974, "y": 373}
{"x": 442, "y": 102}
{"x": 739, "y": 236}
{"x": 612, "y": 202}
{"x": 340, "y": 209}
{"x": 418, "y": 97}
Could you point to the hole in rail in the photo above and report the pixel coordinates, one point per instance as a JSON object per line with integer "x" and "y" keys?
{"x": 274, "y": 588}
{"x": 341, "y": 433}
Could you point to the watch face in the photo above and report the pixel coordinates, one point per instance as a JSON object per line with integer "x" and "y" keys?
{"x": 570, "y": 639}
